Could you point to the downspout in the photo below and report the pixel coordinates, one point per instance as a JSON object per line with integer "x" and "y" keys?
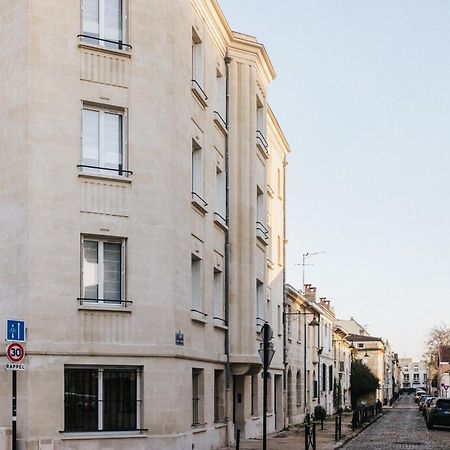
{"x": 285, "y": 350}
{"x": 228, "y": 400}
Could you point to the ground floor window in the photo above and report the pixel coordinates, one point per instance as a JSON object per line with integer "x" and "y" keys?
{"x": 102, "y": 399}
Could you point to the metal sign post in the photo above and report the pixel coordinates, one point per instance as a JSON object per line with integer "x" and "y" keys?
{"x": 266, "y": 353}
{"x": 14, "y": 410}
{"x": 15, "y": 352}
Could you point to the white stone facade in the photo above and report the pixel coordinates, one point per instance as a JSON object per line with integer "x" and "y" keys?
{"x": 414, "y": 373}
{"x": 123, "y": 270}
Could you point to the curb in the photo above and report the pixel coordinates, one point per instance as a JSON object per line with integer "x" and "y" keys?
{"x": 352, "y": 436}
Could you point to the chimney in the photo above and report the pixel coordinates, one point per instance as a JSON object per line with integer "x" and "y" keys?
{"x": 310, "y": 293}
{"x": 324, "y": 302}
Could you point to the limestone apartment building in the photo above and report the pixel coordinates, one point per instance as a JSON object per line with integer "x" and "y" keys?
{"x": 142, "y": 222}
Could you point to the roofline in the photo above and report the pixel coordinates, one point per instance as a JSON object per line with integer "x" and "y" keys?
{"x": 278, "y": 128}
{"x": 241, "y": 40}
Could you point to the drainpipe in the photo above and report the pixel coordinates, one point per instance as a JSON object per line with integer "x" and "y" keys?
{"x": 285, "y": 362}
{"x": 228, "y": 400}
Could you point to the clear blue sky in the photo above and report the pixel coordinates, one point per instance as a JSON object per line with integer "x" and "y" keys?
{"x": 363, "y": 97}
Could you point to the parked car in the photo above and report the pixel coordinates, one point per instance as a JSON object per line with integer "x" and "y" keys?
{"x": 426, "y": 404}
{"x": 438, "y": 413}
{"x": 421, "y": 401}
{"x": 419, "y": 393}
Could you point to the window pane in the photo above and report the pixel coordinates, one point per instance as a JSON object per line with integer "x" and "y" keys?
{"x": 90, "y": 269}
{"x": 112, "y": 271}
{"x": 91, "y": 20}
{"x": 119, "y": 399}
{"x": 112, "y": 145}
{"x": 113, "y": 21}
{"x": 80, "y": 400}
{"x": 90, "y": 137}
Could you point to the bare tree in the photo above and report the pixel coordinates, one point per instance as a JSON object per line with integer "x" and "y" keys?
{"x": 438, "y": 335}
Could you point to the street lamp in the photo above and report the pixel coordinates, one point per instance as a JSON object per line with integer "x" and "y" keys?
{"x": 314, "y": 323}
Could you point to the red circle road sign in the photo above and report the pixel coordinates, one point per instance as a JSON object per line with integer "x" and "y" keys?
{"x": 15, "y": 352}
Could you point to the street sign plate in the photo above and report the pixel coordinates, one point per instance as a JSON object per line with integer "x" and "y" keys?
{"x": 15, "y": 352}
{"x": 15, "y": 330}
{"x": 12, "y": 366}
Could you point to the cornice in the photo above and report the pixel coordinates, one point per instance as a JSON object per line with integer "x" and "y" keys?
{"x": 226, "y": 39}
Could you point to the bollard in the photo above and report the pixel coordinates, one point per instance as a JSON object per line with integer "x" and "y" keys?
{"x": 314, "y": 436}
{"x": 238, "y": 439}
{"x": 338, "y": 427}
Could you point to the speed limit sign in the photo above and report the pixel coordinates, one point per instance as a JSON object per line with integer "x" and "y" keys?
{"x": 15, "y": 352}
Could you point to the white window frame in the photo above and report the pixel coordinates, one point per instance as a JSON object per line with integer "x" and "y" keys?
{"x": 102, "y": 110}
{"x": 219, "y": 296}
{"x": 197, "y": 290}
{"x": 100, "y": 254}
{"x": 261, "y": 305}
{"x": 101, "y": 26}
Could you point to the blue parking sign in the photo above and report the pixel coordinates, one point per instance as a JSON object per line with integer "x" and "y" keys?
{"x": 15, "y": 330}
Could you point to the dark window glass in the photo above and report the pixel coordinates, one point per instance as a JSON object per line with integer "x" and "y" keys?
{"x": 119, "y": 399}
{"x": 315, "y": 388}
{"x": 81, "y": 400}
{"x": 444, "y": 404}
{"x": 324, "y": 377}
{"x": 330, "y": 380}
{"x": 112, "y": 390}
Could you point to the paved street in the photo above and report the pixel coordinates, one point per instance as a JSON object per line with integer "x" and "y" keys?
{"x": 401, "y": 427}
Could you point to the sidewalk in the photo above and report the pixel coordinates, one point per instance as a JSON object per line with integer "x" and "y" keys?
{"x": 294, "y": 438}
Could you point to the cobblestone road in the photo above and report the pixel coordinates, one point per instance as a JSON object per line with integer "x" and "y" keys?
{"x": 402, "y": 427}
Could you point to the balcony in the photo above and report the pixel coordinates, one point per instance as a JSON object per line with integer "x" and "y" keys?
{"x": 262, "y": 233}
{"x": 262, "y": 144}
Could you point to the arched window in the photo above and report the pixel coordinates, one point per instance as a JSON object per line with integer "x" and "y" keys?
{"x": 298, "y": 387}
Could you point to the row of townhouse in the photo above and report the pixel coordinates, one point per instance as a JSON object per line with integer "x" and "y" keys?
{"x": 143, "y": 230}
{"x": 319, "y": 350}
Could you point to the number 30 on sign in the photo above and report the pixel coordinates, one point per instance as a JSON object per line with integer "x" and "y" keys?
{"x": 15, "y": 352}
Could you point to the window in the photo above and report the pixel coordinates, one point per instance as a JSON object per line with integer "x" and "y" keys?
{"x": 103, "y": 141}
{"x": 219, "y": 296}
{"x": 315, "y": 385}
{"x": 104, "y": 23}
{"x": 197, "y": 283}
{"x": 103, "y": 270}
{"x": 416, "y": 378}
{"x": 279, "y": 321}
{"x": 299, "y": 326}
{"x": 416, "y": 368}
{"x": 198, "y": 68}
{"x": 406, "y": 377}
{"x": 197, "y": 173}
{"x": 288, "y": 322}
{"x": 298, "y": 385}
{"x": 261, "y": 231}
{"x": 102, "y": 399}
{"x": 219, "y": 395}
{"x": 330, "y": 378}
{"x": 260, "y": 305}
{"x": 360, "y": 345}
{"x": 221, "y": 98}
{"x": 197, "y": 396}
{"x": 254, "y": 395}
{"x": 261, "y": 127}
{"x": 220, "y": 194}
{"x": 324, "y": 377}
